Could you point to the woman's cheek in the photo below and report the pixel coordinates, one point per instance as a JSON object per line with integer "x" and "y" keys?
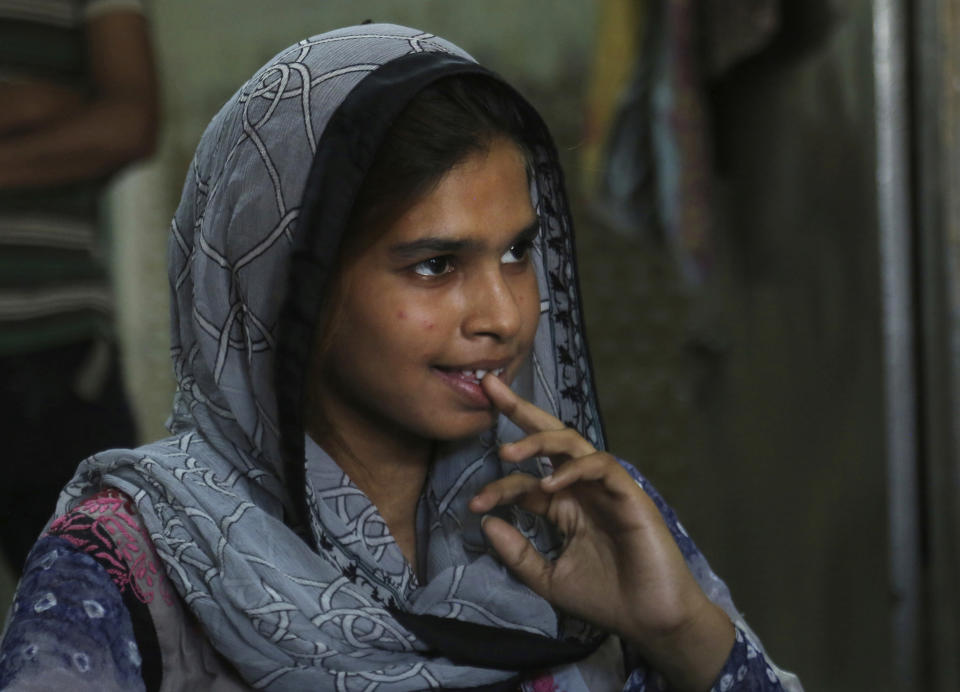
{"x": 418, "y": 319}
{"x": 426, "y": 324}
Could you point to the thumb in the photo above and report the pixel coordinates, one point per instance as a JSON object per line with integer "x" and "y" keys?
{"x": 518, "y": 554}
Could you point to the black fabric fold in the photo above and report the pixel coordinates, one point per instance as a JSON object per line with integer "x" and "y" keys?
{"x": 485, "y": 646}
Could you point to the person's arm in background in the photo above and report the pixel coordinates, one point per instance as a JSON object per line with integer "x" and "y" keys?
{"x": 31, "y": 105}
{"x": 57, "y": 136}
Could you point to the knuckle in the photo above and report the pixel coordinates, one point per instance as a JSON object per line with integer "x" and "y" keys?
{"x": 526, "y": 555}
{"x": 604, "y": 458}
{"x": 523, "y": 552}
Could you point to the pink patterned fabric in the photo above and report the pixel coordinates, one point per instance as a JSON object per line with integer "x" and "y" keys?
{"x": 106, "y": 527}
{"x": 544, "y": 684}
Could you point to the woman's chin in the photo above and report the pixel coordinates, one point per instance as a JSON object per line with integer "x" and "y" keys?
{"x": 465, "y": 427}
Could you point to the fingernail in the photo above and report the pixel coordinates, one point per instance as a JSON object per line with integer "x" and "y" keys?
{"x": 483, "y": 520}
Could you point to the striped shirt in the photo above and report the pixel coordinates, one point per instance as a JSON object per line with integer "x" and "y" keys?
{"x": 54, "y": 283}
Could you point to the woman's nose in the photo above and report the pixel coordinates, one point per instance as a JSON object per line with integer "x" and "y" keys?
{"x": 494, "y": 306}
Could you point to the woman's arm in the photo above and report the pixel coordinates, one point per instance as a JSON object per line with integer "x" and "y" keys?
{"x": 747, "y": 668}
{"x": 621, "y": 568}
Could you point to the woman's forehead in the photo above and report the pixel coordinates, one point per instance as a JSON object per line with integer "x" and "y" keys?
{"x": 483, "y": 199}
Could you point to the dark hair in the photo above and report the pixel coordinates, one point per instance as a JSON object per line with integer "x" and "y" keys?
{"x": 445, "y": 123}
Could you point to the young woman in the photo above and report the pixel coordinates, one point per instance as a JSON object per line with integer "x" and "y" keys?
{"x": 387, "y": 468}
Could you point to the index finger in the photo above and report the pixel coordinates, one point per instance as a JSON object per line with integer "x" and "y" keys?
{"x": 530, "y": 418}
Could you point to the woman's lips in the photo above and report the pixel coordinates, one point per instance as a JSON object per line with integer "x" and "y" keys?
{"x": 466, "y": 382}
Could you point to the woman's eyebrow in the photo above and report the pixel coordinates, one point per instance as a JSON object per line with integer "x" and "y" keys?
{"x": 528, "y": 233}
{"x": 443, "y": 246}
{"x": 431, "y": 244}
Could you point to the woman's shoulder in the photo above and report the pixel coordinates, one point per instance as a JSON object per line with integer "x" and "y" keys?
{"x": 99, "y": 558}
{"x": 107, "y": 527}
{"x": 82, "y": 608}
{"x": 68, "y": 624}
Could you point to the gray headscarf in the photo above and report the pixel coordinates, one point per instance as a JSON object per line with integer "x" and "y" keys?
{"x": 334, "y": 606}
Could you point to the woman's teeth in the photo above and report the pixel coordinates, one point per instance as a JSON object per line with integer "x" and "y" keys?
{"x": 479, "y": 374}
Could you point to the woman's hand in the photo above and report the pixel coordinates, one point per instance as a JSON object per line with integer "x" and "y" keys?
{"x": 620, "y": 568}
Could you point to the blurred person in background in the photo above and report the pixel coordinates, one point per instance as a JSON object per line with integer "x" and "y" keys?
{"x": 78, "y": 95}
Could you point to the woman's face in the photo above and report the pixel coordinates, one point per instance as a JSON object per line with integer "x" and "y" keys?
{"x": 446, "y": 293}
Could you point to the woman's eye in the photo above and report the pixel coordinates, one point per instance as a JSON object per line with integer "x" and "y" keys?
{"x": 435, "y": 266}
{"x": 517, "y": 253}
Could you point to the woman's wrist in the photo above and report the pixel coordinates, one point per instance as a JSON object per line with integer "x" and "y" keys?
{"x": 692, "y": 653}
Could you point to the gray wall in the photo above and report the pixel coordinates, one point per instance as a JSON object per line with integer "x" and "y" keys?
{"x": 790, "y": 462}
